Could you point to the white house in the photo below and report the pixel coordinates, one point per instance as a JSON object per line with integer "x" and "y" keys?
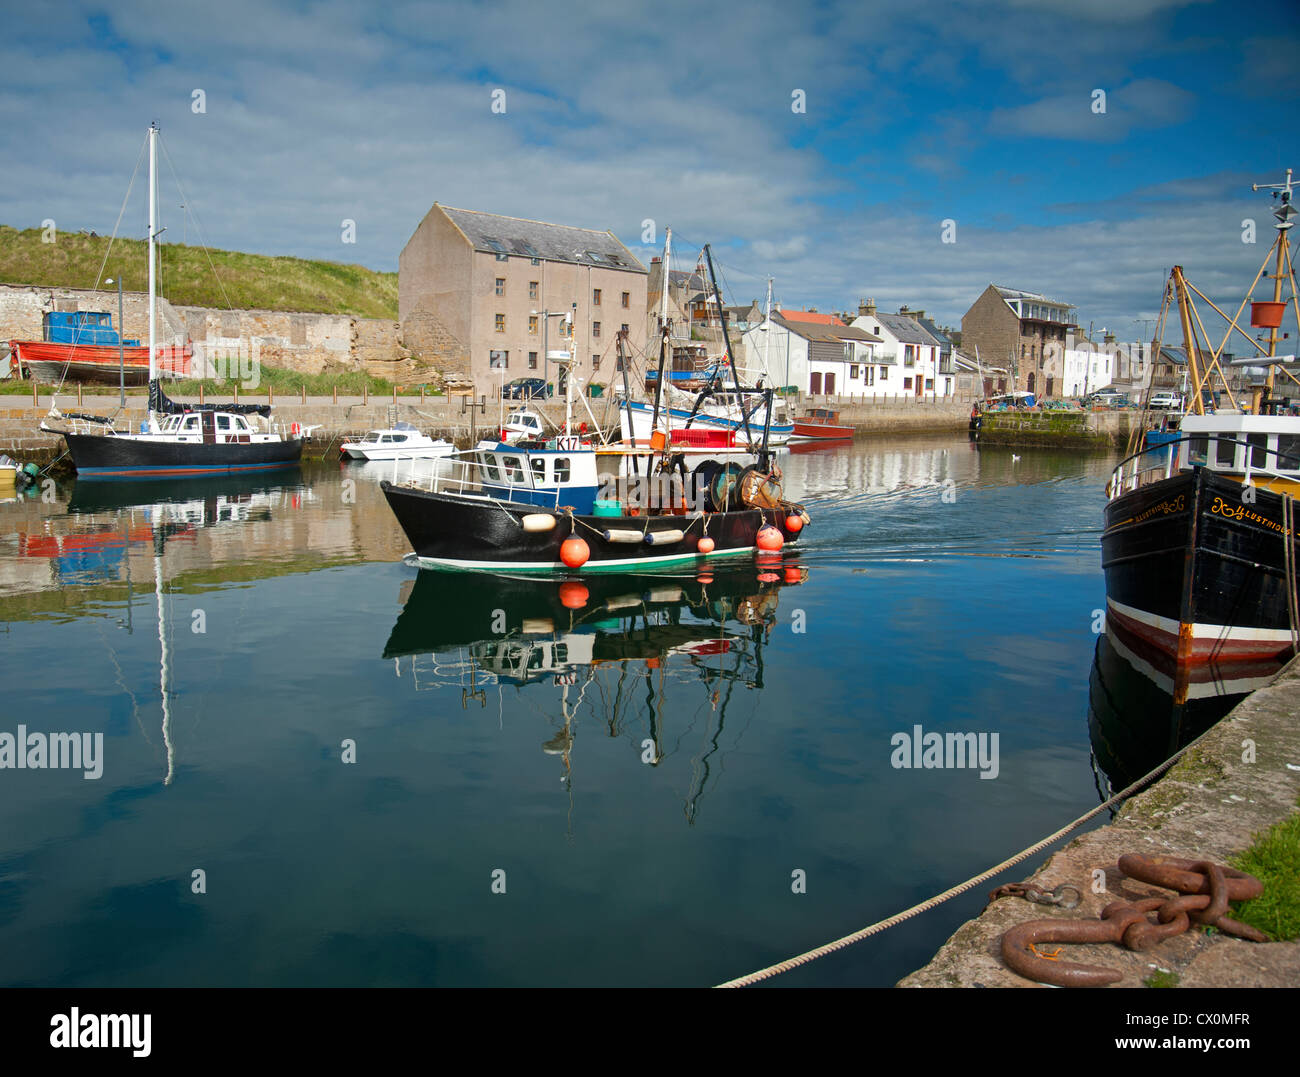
{"x": 908, "y": 359}
{"x": 821, "y": 357}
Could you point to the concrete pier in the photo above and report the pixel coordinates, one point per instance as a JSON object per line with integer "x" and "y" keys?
{"x": 1240, "y": 780}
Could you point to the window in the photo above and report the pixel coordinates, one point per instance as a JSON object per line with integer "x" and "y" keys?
{"x": 1258, "y": 450}
{"x": 562, "y": 469}
{"x": 1198, "y": 450}
{"x": 501, "y": 286}
{"x": 1225, "y": 452}
{"x": 884, "y": 373}
{"x": 503, "y": 257}
{"x": 532, "y": 289}
{"x": 595, "y": 362}
{"x": 511, "y": 469}
{"x": 488, "y": 464}
{"x": 907, "y": 383}
{"x": 627, "y": 300}
{"x": 223, "y": 422}
{"x": 535, "y": 261}
{"x": 848, "y": 352}
{"x": 192, "y": 423}
{"x": 853, "y": 371}
{"x": 595, "y": 329}
{"x": 595, "y": 297}
{"x": 870, "y": 373}
{"x": 909, "y": 356}
{"x": 624, "y": 327}
{"x": 532, "y": 360}
{"x": 501, "y": 323}
{"x": 539, "y": 468}
{"x": 1288, "y": 452}
{"x": 929, "y": 384}
{"x": 498, "y": 360}
{"x": 532, "y": 324}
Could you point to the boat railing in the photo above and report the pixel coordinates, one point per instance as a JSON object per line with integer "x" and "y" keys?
{"x": 463, "y": 473}
{"x": 1130, "y": 474}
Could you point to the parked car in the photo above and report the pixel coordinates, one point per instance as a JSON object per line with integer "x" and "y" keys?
{"x": 526, "y": 389}
{"x": 1166, "y": 400}
{"x": 1106, "y": 398}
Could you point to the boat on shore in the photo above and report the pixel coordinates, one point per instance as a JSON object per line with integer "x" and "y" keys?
{"x": 83, "y": 346}
{"x": 1200, "y": 544}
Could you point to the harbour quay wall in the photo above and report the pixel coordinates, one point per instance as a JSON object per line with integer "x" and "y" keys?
{"x": 1098, "y": 428}
{"x": 1235, "y": 783}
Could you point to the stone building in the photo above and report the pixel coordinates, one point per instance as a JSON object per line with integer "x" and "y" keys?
{"x": 473, "y": 289}
{"x": 1023, "y": 331}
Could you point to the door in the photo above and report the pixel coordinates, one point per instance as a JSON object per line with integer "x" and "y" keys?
{"x": 830, "y": 382}
{"x": 209, "y": 428}
{"x": 815, "y": 383}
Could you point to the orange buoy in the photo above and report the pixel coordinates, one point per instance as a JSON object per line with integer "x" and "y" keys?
{"x": 705, "y": 545}
{"x": 705, "y": 577}
{"x": 793, "y": 574}
{"x": 769, "y": 539}
{"x": 574, "y": 552}
{"x": 768, "y": 577}
{"x": 573, "y": 594}
{"x": 794, "y": 523}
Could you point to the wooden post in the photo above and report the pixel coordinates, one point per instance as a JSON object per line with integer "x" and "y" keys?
{"x": 236, "y": 392}
{"x": 394, "y": 393}
{"x": 365, "y": 392}
{"x": 304, "y": 392}
{"x": 200, "y": 392}
{"x": 421, "y": 393}
{"x": 36, "y": 399}
{"x": 336, "y": 392}
{"x": 78, "y": 394}
{"x": 270, "y": 394}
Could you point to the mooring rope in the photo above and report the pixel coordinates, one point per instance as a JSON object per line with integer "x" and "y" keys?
{"x": 939, "y": 899}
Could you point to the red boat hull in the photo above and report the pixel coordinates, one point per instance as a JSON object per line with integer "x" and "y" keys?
{"x": 821, "y": 431}
{"x": 96, "y": 362}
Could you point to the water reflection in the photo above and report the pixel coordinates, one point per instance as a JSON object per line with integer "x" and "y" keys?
{"x": 1143, "y": 707}
{"x": 641, "y": 658}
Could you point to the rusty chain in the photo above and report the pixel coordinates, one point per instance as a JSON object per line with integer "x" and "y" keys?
{"x": 1203, "y": 892}
{"x": 1063, "y": 897}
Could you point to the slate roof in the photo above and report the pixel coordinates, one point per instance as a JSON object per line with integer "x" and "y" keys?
{"x": 905, "y": 329}
{"x": 535, "y": 239}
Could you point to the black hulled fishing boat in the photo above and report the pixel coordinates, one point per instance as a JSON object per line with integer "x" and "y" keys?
{"x": 543, "y": 506}
{"x": 1200, "y": 542}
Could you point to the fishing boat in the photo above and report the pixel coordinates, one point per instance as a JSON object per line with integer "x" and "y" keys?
{"x": 821, "y": 424}
{"x": 401, "y": 440}
{"x": 1200, "y": 541}
{"x": 543, "y": 507}
{"x": 178, "y": 439}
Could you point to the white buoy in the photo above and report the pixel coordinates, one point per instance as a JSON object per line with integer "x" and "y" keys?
{"x": 621, "y": 536}
{"x": 538, "y": 521}
{"x": 664, "y": 538}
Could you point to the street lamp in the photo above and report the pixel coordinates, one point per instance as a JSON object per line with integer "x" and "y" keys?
{"x": 121, "y": 357}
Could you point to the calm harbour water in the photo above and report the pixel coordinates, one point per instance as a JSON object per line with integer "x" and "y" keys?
{"x": 648, "y": 769}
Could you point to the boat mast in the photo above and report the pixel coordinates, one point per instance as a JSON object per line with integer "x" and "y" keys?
{"x": 1283, "y": 213}
{"x": 1189, "y": 338}
{"x": 153, "y": 284}
{"x": 767, "y": 331}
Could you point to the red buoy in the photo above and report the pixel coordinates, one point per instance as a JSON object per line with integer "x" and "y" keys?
{"x": 573, "y": 594}
{"x": 574, "y": 552}
{"x": 705, "y": 577}
{"x": 705, "y": 545}
{"x": 793, "y": 574}
{"x": 769, "y": 539}
{"x": 794, "y": 523}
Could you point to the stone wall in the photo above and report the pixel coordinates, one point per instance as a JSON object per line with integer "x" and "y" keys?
{"x": 304, "y": 342}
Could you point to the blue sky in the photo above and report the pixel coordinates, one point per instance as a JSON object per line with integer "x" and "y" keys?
{"x": 916, "y": 113}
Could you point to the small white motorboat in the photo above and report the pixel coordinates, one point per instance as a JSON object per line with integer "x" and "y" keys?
{"x": 401, "y": 441}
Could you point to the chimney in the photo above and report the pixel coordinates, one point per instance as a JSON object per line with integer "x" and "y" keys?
{"x": 654, "y": 260}
{"x": 1109, "y": 338}
{"x": 866, "y": 308}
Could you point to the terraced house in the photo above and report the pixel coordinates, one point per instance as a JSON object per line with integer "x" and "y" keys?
{"x": 475, "y": 289}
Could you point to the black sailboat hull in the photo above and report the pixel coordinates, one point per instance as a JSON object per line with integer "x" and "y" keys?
{"x": 470, "y": 533}
{"x": 95, "y": 455}
{"x": 1197, "y": 572}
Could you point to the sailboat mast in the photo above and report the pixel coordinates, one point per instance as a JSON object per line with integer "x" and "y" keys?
{"x": 663, "y": 292}
{"x": 153, "y": 282}
{"x": 1283, "y": 228}
{"x": 767, "y": 331}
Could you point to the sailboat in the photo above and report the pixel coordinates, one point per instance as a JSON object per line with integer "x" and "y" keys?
{"x": 179, "y": 439}
{"x": 1200, "y": 544}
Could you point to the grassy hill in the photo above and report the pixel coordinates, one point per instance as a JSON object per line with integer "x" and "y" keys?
{"x": 250, "y": 281}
